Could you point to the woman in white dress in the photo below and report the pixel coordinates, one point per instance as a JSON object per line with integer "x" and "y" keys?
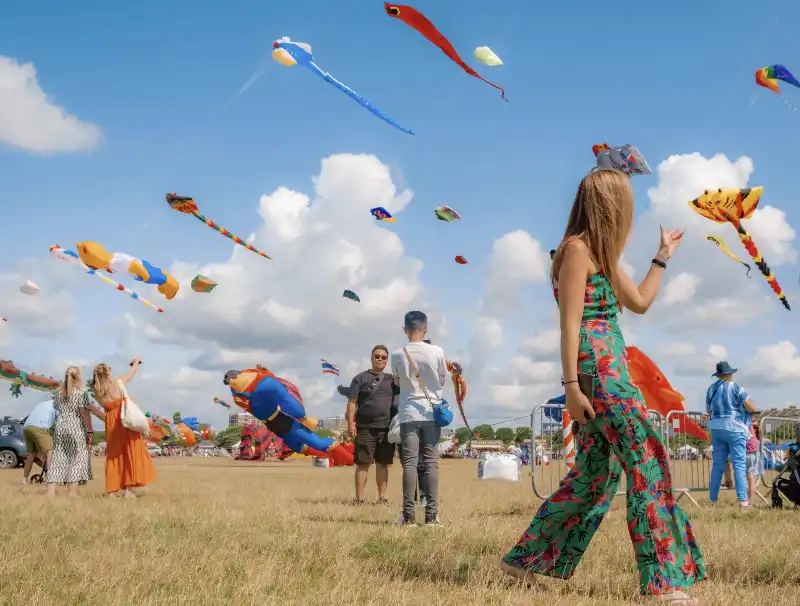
{"x": 70, "y": 463}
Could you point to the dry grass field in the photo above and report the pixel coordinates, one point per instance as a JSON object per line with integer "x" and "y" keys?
{"x": 216, "y": 531}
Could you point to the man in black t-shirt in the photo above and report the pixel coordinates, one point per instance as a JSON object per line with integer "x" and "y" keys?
{"x": 370, "y": 408}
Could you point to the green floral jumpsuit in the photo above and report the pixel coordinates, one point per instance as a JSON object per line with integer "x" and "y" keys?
{"x": 620, "y": 438}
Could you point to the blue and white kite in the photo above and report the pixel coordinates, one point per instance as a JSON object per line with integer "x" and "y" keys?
{"x": 290, "y": 53}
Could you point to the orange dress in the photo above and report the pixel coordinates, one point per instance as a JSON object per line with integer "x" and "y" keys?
{"x": 128, "y": 464}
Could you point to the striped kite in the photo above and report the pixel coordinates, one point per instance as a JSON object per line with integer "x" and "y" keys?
{"x": 187, "y": 206}
{"x": 732, "y": 206}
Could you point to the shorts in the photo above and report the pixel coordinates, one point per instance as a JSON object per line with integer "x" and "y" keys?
{"x": 37, "y": 440}
{"x": 752, "y": 463}
{"x": 373, "y": 446}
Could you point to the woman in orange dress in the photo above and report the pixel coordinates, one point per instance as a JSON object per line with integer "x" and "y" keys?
{"x": 128, "y": 464}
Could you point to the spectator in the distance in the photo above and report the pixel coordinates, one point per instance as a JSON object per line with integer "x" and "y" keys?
{"x": 369, "y": 412}
{"x": 419, "y": 370}
{"x": 729, "y": 407}
{"x": 38, "y": 440}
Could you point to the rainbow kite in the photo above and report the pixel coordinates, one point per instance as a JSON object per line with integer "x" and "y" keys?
{"x": 187, "y": 206}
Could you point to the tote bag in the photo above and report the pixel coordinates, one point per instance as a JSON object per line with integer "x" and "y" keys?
{"x": 132, "y": 416}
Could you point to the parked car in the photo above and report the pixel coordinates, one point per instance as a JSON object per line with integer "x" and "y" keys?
{"x": 154, "y": 451}
{"x": 12, "y": 443}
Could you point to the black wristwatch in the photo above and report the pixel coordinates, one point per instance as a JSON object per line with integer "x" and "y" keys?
{"x": 659, "y": 262}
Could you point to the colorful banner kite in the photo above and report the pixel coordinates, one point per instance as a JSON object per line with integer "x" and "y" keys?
{"x": 187, "y": 206}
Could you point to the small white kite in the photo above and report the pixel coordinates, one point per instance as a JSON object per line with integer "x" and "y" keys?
{"x": 29, "y": 288}
{"x": 486, "y": 55}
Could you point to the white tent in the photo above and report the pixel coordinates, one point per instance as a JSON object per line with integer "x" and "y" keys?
{"x": 206, "y": 445}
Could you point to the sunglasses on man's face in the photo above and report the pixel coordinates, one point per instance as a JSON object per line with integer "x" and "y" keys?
{"x": 380, "y": 357}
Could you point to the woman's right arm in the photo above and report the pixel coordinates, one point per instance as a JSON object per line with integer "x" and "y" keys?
{"x": 128, "y": 376}
{"x": 572, "y": 275}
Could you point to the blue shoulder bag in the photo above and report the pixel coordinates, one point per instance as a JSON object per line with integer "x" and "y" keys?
{"x": 442, "y": 414}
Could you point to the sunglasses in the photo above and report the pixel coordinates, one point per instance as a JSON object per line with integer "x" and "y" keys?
{"x": 380, "y": 357}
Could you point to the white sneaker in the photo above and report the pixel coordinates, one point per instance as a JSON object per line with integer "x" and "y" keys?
{"x": 435, "y": 523}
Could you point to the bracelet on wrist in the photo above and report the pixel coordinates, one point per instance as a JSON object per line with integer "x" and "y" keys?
{"x": 563, "y": 383}
{"x": 659, "y": 263}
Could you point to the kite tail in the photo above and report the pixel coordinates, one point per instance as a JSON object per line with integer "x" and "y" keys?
{"x": 750, "y": 246}
{"x": 500, "y": 88}
{"x": 789, "y": 104}
{"x": 228, "y": 234}
{"x": 120, "y": 287}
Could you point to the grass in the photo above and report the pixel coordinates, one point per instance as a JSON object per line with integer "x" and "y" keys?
{"x": 216, "y": 531}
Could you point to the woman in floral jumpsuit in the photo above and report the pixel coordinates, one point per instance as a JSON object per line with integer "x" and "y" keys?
{"x": 615, "y": 436}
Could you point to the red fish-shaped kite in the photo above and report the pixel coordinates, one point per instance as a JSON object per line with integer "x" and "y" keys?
{"x": 658, "y": 393}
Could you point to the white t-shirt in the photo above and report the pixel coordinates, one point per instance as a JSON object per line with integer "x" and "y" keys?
{"x": 429, "y": 360}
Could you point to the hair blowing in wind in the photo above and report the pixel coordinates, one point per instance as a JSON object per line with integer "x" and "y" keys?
{"x": 602, "y": 217}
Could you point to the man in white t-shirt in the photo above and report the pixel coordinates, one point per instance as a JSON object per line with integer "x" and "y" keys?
{"x": 419, "y": 432}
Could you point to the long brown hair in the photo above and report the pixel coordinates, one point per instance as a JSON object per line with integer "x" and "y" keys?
{"x": 101, "y": 377}
{"x": 72, "y": 381}
{"x": 602, "y": 217}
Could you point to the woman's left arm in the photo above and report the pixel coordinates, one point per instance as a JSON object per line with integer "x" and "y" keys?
{"x": 639, "y": 298}
{"x": 86, "y": 416}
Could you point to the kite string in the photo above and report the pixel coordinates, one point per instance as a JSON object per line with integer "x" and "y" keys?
{"x": 789, "y": 104}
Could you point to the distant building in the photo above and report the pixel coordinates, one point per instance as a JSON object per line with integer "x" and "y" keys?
{"x": 490, "y": 445}
{"x": 335, "y": 424}
{"x": 448, "y": 432}
{"x": 240, "y": 418}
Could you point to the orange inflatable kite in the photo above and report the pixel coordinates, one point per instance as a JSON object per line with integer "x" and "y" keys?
{"x": 658, "y": 393}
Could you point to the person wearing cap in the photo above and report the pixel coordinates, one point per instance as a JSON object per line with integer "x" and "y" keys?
{"x": 729, "y": 408}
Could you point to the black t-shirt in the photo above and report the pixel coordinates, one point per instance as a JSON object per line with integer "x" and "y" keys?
{"x": 374, "y": 399}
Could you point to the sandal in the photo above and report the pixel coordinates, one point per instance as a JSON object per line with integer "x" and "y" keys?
{"x": 679, "y": 597}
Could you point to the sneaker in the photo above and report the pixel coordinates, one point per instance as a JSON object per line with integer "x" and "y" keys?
{"x": 404, "y": 521}
{"x": 25, "y": 481}
{"x": 436, "y": 523}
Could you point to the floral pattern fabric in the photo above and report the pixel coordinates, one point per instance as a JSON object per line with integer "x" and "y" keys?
{"x": 619, "y": 440}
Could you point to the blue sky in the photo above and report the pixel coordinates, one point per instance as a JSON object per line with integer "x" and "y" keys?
{"x": 671, "y": 78}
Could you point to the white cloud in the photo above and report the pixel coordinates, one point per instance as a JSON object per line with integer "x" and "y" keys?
{"x": 517, "y": 260}
{"x": 30, "y": 120}
{"x": 679, "y": 289}
{"x": 544, "y": 344}
{"x": 705, "y": 290}
{"x": 776, "y": 364}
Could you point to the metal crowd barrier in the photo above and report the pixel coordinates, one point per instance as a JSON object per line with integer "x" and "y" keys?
{"x": 777, "y": 430}
{"x": 690, "y": 466}
{"x": 690, "y": 461}
{"x": 546, "y": 476}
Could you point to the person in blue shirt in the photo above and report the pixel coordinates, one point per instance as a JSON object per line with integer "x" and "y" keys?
{"x": 38, "y": 438}
{"x": 729, "y": 408}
